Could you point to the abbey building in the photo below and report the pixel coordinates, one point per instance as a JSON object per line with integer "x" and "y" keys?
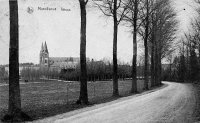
{"x": 56, "y": 62}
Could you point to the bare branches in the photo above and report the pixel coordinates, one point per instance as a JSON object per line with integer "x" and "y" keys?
{"x": 107, "y": 8}
{"x": 102, "y": 10}
{"x": 193, "y": 37}
{"x": 124, "y": 12}
{"x": 119, "y": 5}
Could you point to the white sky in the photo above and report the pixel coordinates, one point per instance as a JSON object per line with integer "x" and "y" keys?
{"x": 61, "y": 30}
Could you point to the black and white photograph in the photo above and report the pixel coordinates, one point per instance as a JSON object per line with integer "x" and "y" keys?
{"x": 100, "y": 61}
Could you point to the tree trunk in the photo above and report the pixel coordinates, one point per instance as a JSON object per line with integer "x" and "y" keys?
{"x": 159, "y": 50}
{"x": 134, "y": 64}
{"x": 14, "y": 107}
{"x": 153, "y": 72}
{"x": 153, "y": 61}
{"x": 187, "y": 60}
{"x": 115, "y": 67}
{"x": 83, "y": 98}
{"x": 199, "y": 53}
{"x": 156, "y": 60}
{"x": 170, "y": 69}
{"x": 159, "y": 66}
{"x": 146, "y": 79}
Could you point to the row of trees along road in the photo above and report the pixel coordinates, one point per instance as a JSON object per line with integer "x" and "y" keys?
{"x": 153, "y": 20}
{"x": 145, "y": 18}
{"x": 185, "y": 66}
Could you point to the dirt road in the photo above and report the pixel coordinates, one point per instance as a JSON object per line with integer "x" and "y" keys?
{"x": 174, "y": 103}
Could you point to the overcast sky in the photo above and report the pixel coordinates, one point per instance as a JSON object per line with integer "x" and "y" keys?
{"x": 61, "y": 30}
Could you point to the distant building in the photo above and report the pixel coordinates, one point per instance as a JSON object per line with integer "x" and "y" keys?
{"x": 57, "y": 62}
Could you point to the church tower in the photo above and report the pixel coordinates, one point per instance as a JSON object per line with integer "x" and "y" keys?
{"x": 44, "y": 56}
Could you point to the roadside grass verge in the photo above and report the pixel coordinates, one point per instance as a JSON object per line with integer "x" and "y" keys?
{"x": 50, "y": 98}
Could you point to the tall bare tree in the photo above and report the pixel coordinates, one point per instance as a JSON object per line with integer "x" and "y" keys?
{"x": 14, "y": 108}
{"x": 146, "y": 76}
{"x": 83, "y": 98}
{"x": 116, "y": 10}
{"x": 144, "y": 33}
{"x": 132, "y": 18}
{"x": 164, "y": 27}
{"x": 14, "y": 89}
{"x": 115, "y": 66}
{"x": 134, "y": 62}
{"x": 153, "y": 44}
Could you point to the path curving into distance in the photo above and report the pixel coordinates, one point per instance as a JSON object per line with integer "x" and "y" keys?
{"x": 172, "y": 104}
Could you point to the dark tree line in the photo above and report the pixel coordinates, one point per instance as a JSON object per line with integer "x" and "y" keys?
{"x": 33, "y": 74}
{"x": 3, "y": 75}
{"x": 185, "y": 65}
{"x": 97, "y": 71}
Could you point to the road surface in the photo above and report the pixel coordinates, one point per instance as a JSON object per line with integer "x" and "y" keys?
{"x": 174, "y": 103}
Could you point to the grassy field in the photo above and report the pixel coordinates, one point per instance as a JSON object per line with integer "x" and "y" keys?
{"x": 44, "y": 99}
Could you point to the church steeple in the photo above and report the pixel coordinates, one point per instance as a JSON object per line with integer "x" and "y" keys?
{"x": 42, "y": 48}
{"x": 44, "y": 56}
{"x": 45, "y": 48}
